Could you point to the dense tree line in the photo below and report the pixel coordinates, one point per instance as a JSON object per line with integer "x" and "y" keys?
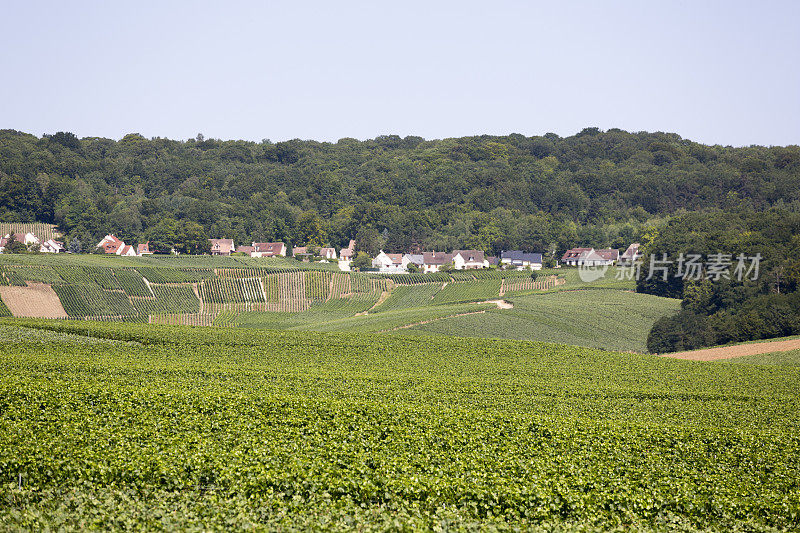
{"x": 719, "y": 309}
{"x": 544, "y": 193}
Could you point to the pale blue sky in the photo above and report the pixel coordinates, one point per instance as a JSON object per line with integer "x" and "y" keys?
{"x": 716, "y": 72}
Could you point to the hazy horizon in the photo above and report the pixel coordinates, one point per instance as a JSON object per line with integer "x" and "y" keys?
{"x": 712, "y": 72}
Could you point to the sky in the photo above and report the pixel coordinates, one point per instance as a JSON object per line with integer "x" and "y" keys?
{"x": 714, "y": 72}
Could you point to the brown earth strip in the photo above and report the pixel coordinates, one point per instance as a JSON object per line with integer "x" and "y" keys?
{"x": 37, "y": 300}
{"x": 432, "y": 320}
{"x": 739, "y": 350}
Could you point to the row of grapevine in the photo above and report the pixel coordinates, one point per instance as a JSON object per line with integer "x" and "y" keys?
{"x": 318, "y": 284}
{"x": 292, "y": 293}
{"x": 175, "y": 275}
{"x": 12, "y": 277}
{"x": 169, "y": 299}
{"x": 406, "y": 296}
{"x": 72, "y": 274}
{"x": 89, "y": 300}
{"x": 104, "y": 277}
{"x": 184, "y": 319}
{"x": 527, "y": 283}
{"x": 132, "y": 282}
{"x": 251, "y": 272}
{"x": 227, "y": 290}
{"x": 468, "y": 292}
{"x": 4, "y": 310}
{"x": 44, "y": 232}
{"x": 363, "y": 283}
{"x": 18, "y": 274}
{"x": 461, "y": 275}
{"x": 416, "y": 278}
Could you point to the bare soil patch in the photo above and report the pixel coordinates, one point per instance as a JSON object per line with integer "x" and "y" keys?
{"x": 37, "y": 300}
{"x": 501, "y": 304}
{"x": 739, "y": 350}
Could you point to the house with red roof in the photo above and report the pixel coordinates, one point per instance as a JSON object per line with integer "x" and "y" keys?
{"x": 268, "y": 249}
{"x": 346, "y": 254}
{"x": 111, "y": 244}
{"x": 433, "y": 261}
{"x": 221, "y": 246}
{"x": 51, "y": 246}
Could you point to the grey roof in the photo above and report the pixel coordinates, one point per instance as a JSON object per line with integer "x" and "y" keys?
{"x": 415, "y": 258}
{"x": 518, "y": 256}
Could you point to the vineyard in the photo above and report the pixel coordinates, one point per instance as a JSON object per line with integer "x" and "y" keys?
{"x": 136, "y": 426}
{"x": 44, "y": 232}
{"x": 225, "y": 292}
{"x": 207, "y": 296}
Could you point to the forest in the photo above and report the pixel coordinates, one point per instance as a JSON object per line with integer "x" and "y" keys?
{"x": 724, "y": 309}
{"x": 543, "y": 193}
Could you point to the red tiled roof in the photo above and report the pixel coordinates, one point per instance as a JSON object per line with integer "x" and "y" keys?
{"x": 223, "y": 246}
{"x": 470, "y": 255}
{"x": 436, "y": 258}
{"x": 268, "y": 248}
{"x": 609, "y": 254}
{"x": 574, "y": 253}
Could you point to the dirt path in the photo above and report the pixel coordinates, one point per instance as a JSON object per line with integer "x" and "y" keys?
{"x": 501, "y": 304}
{"x": 381, "y": 299}
{"x": 406, "y": 326}
{"x": 729, "y": 352}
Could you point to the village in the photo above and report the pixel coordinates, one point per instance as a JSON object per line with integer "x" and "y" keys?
{"x": 383, "y": 262}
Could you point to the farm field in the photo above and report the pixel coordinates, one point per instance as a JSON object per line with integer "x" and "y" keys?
{"x": 112, "y": 425}
{"x": 279, "y": 293}
{"x": 600, "y": 318}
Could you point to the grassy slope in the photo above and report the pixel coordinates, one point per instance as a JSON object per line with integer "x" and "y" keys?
{"x": 790, "y": 358}
{"x": 604, "y": 318}
{"x": 170, "y": 427}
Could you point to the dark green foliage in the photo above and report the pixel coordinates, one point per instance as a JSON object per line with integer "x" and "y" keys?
{"x": 484, "y": 192}
{"x": 127, "y": 426}
{"x": 727, "y": 310}
{"x": 169, "y": 299}
{"x": 132, "y": 282}
{"x": 4, "y": 311}
{"x": 90, "y": 300}
{"x": 764, "y": 316}
{"x": 174, "y": 275}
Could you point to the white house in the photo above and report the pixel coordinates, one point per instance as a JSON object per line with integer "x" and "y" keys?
{"x": 631, "y": 254}
{"x": 111, "y": 245}
{"x": 589, "y": 257}
{"x": 412, "y": 259}
{"x": 126, "y": 250}
{"x": 222, "y": 246}
{"x": 143, "y": 249}
{"x": 268, "y": 249}
{"x": 521, "y": 260}
{"x": 433, "y": 261}
{"x": 346, "y": 254}
{"x": 51, "y": 246}
{"x": 327, "y": 253}
{"x": 609, "y": 254}
{"x": 469, "y": 259}
{"x": 389, "y": 263}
